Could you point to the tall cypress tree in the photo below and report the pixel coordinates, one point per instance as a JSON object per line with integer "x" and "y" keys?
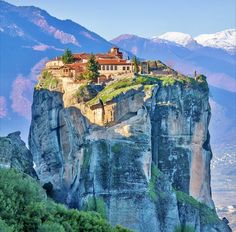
{"x": 135, "y": 63}
{"x": 92, "y": 68}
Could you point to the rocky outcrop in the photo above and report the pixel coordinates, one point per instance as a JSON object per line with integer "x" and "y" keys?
{"x": 56, "y": 138}
{"x": 15, "y": 154}
{"x": 149, "y": 170}
{"x": 181, "y": 141}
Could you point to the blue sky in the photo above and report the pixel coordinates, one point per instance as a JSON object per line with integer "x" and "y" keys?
{"x": 145, "y": 18}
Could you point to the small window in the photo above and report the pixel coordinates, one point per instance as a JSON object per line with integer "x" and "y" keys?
{"x": 103, "y": 67}
{"x": 127, "y": 67}
{"x": 107, "y": 67}
{"x": 123, "y": 68}
{"x": 115, "y": 67}
{"x": 111, "y": 67}
{"x": 100, "y": 68}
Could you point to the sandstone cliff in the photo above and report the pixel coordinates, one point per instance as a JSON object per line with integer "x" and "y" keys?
{"x": 14, "y": 154}
{"x": 138, "y": 152}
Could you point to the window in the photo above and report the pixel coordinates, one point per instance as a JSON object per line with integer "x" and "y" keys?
{"x": 115, "y": 67}
{"x": 100, "y": 67}
{"x": 107, "y": 67}
{"x": 123, "y": 68}
{"x": 103, "y": 67}
{"x": 111, "y": 67}
{"x": 127, "y": 67}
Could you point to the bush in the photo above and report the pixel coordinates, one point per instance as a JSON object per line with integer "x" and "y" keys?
{"x": 24, "y": 207}
{"x": 51, "y": 227}
{"x": 4, "y": 227}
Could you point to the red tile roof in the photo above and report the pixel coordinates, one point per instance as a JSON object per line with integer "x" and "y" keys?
{"x": 113, "y": 62}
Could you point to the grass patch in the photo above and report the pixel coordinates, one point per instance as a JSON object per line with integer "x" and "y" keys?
{"x": 115, "y": 89}
{"x": 207, "y": 214}
{"x": 123, "y": 85}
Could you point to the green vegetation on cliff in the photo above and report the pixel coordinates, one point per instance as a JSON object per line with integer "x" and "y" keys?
{"x": 96, "y": 204}
{"x": 152, "y": 191}
{"x": 207, "y": 215}
{"x": 47, "y": 81}
{"x": 184, "y": 228}
{"x": 123, "y": 85}
{"x": 115, "y": 89}
{"x": 25, "y": 207}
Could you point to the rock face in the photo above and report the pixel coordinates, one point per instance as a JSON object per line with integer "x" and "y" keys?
{"x": 181, "y": 141}
{"x": 140, "y": 171}
{"x": 14, "y": 154}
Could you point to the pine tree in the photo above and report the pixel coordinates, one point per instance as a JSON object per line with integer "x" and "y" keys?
{"x": 135, "y": 62}
{"x": 67, "y": 57}
{"x": 92, "y": 68}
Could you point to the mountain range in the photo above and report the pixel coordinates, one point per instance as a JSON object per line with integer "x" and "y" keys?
{"x": 30, "y": 36}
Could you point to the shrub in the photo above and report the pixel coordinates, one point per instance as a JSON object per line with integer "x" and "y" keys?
{"x": 24, "y": 207}
{"x": 51, "y": 227}
{"x": 4, "y": 227}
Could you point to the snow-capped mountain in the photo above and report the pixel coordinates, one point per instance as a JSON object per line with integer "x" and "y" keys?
{"x": 224, "y": 40}
{"x": 180, "y": 38}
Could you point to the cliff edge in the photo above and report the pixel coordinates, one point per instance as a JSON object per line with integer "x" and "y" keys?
{"x": 136, "y": 150}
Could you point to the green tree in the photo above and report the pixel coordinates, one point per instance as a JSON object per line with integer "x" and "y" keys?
{"x": 92, "y": 68}
{"x": 135, "y": 63}
{"x": 67, "y": 57}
